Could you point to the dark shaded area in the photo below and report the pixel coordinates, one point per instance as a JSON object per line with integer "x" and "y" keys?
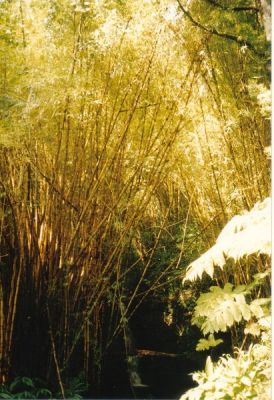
{"x": 165, "y": 359}
{"x": 166, "y": 376}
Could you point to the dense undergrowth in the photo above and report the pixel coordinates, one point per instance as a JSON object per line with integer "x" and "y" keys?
{"x": 245, "y": 309}
{"x": 27, "y": 388}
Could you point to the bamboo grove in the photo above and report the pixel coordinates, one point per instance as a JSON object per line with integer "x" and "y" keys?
{"x": 119, "y": 120}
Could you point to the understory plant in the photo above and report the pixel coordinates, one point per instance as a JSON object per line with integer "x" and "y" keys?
{"x": 23, "y": 387}
{"x": 245, "y": 376}
{"x": 243, "y": 308}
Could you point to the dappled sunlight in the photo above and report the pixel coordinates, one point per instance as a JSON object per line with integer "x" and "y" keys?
{"x": 135, "y": 152}
{"x": 244, "y": 235}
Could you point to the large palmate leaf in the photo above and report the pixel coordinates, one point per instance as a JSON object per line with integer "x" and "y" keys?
{"x": 244, "y": 235}
{"x": 220, "y": 308}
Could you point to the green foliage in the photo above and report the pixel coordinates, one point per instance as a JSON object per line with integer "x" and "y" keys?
{"x": 244, "y": 235}
{"x": 256, "y": 328}
{"x": 247, "y": 374}
{"x": 245, "y": 377}
{"x": 28, "y": 388}
{"x": 75, "y": 388}
{"x": 220, "y": 308}
{"x": 25, "y": 388}
{"x": 205, "y": 344}
{"x": 119, "y": 124}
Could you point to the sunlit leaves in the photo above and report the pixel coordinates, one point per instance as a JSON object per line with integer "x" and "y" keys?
{"x": 245, "y": 376}
{"x": 206, "y": 344}
{"x": 126, "y": 113}
{"x": 242, "y": 236}
{"x": 219, "y": 309}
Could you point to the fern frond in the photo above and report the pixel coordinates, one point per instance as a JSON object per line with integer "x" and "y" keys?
{"x": 244, "y": 235}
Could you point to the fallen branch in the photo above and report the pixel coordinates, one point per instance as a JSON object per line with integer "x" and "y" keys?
{"x": 152, "y": 353}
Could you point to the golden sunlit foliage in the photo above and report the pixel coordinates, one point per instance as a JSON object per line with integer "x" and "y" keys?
{"x": 122, "y": 126}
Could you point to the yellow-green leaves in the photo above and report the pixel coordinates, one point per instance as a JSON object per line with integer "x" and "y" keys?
{"x": 219, "y": 309}
{"x": 243, "y": 235}
{"x": 247, "y": 376}
{"x": 206, "y": 344}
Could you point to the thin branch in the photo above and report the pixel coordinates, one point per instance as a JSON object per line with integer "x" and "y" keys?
{"x": 54, "y": 188}
{"x": 55, "y": 356}
{"x": 213, "y": 31}
{"x": 22, "y": 24}
{"x": 141, "y": 107}
{"x": 236, "y": 9}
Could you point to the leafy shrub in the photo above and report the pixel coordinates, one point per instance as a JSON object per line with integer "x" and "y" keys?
{"x": 75, "y": 388}
{"x": 248, "y": 374}
{"x": 28, "y": 388}
{"x": 245, "y": 377}
{"x": 25, "y": 388}
{"x": 221, "y": 308}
